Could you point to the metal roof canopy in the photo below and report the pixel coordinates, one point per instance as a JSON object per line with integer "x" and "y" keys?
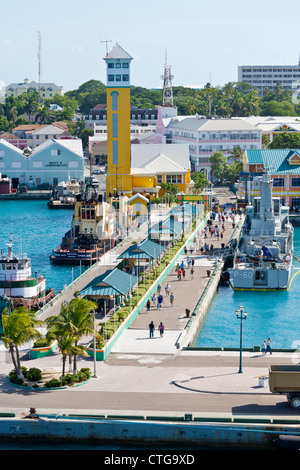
{"x": 185, "y": 208}
{"x": 144, "y": 250}
{"x": 169, "y": 226}
{"x": 112, "y": 282}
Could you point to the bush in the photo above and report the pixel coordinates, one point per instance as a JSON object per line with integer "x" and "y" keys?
{"x": 53, "y": 383}
{"x": 34, "y": 375}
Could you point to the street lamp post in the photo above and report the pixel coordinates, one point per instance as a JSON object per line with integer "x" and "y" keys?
{"x": 241, "y": 315}
{"x": 95, "y": 360}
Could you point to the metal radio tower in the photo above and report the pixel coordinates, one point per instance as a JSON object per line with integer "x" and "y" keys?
{"x": 167, "y": 86}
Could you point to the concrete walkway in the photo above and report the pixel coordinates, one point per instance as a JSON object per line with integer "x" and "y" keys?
{"x": 186, "y": 293}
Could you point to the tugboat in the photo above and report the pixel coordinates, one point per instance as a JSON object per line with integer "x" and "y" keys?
{"x": 18, "y": 284}
{"x": 93, "y": 225}
{"x": 263, "y": 258}
{"x": 64, "y": 195}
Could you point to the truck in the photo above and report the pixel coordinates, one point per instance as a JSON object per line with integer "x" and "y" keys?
{"x": 285, "y": 380}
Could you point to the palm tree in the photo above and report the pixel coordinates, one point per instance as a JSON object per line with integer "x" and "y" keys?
{"x": 82, "y": 314}
{"x": 170, "y": 190}
{"x": 236, "y": 154}
{"x": 19, "y": 327}
{"x": 74, "y": 321}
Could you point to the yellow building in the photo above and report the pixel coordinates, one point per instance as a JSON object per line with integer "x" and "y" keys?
{"x": 136, "y": 168}
{"x": 118, "y": 121}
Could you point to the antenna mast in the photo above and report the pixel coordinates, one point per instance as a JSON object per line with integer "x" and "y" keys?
{"x": 39, "y": 54}
{"x": 167, "y": 85}
{"x": 106, "y": 45}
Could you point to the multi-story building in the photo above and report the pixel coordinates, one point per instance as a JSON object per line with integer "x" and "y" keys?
{"x": 267, "y": 76}
{"x": 47, "y": 90}
{"x": 139, "y": 118}
{"x": 48, "y": 164}
{"x": 36, "y": 134}
{"x": 284, "y": 168}
{"x": 206, "y": 136}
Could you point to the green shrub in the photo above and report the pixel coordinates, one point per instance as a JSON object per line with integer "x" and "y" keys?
{"x": 53, "y": 383}
{"x": 34, "y": 374}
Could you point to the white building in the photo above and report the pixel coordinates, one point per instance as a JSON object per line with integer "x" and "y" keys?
{"x": 267, "y": 76}
{"x": 206, "y": 136}
{"x": 45, "y": 166}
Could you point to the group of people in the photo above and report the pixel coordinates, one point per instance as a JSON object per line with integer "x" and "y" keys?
{"x": 180, "y": 269}
{"x": 161, "y": 329}
{"x": 266, "y": 347}
{"x": 158, "y": 298}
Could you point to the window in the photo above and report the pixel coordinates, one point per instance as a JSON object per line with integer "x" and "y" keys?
{"x": 115, "y": 126}
{"x": 16, "y": 164}
{"x": 73, "y": 164}
{"x": 2, "y": 165}
{"x": 114, "y": 97}
{"x": 159, "y": 179}
{"x": 118, "y": 65}
{"x": 2, "y": 153}
{"x": 55, "y": 181}
{"x": 296, "y": 181}
{"x": 125, "y": 78}
{"x": 278, "y": 182}
{"x": 55, "y": 152}
{"x": 111, "y": 66}
{"x": 118, "y": 78}
{"x": 115, "y": 152}
{"x": 37, "y": 164}
{"x": 125, "y": 65}
{"x": 174, "y": 179}
{"x": 110, "y": 78}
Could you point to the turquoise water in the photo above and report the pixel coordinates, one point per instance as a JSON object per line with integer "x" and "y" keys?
{"x": 270, "y": 314}
{"x": 36, "y": 231}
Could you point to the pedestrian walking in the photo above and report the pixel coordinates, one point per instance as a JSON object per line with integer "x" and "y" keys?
{"x": 172, "y": 299}
{"x": 168, "y": 289}
{"x": 154, "y": 299}
{"x": 160, "y": 300}
{"x": 183, "y": 274}
{"x": 264, "y": 347}
{"x": 158, "y": 289}
{"x": 151, "y": 329}
{"x": 192, "y": 273}
{"x": 179, "y": 274}
{"x": 161, "y": 329}
{"x": 269, "y": 349}
{"x": 148, "y": 305}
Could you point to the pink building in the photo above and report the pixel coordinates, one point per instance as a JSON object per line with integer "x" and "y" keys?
{"x": 206, "y": 136}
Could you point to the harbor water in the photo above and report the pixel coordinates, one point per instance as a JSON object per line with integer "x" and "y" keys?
{"x": 37, "y": 230}
{"x": 273, "y": 314}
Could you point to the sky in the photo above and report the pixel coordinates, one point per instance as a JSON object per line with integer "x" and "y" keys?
{"x": 204, "y": 41}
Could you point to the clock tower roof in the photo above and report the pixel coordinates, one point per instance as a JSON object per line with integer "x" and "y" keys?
{"x": 117, "y": 52}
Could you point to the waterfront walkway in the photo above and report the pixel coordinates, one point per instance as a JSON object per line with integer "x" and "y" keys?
{"x": 186, "y": 293}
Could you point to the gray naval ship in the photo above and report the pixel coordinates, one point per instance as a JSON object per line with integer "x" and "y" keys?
{"x": 264, "y": 255}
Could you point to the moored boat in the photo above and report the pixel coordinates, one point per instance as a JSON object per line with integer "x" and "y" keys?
{"x": 17, "y": 282}
{"x": 263, "y": 258}
{"x": 93, "y": 230}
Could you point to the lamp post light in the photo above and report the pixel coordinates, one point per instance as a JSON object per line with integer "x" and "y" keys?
{"x": 95, "y": 361}
{"x": 241, "y": 315}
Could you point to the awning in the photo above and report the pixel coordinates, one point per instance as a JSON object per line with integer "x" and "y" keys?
{"x": 167, "y": 226}
{"x": 145, "y": 250}
{"x": 112, "y": 282}
{"x": 185, "y": 209}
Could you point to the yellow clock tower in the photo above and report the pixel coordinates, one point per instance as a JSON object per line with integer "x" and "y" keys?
{"x": 119, "y": 177}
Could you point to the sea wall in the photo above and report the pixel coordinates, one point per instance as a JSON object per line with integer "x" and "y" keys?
{"x": 152, "y": 430}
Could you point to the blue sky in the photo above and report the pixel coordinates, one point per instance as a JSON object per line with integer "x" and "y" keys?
{"x": 205, "y": 40}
